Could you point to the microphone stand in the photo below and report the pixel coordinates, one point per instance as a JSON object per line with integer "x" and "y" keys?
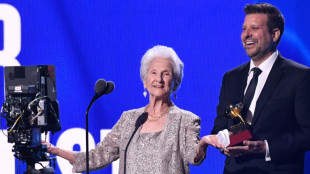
{"x": 86, "y": 120}
{"x": 101, "y": 88}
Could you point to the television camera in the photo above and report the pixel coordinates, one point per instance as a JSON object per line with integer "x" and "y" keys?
{"x": 30, "y": 108}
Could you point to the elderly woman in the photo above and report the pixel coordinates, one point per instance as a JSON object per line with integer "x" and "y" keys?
{"x": 158, "y": 138}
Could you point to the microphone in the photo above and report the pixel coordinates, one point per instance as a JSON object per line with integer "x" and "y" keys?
{"x": 141, "y": 120}
{"x": 101, "y": 87}
{"x": 110, "y": 87}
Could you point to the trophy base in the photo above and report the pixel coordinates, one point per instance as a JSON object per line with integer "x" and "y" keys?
{"x": 237, "y": 139}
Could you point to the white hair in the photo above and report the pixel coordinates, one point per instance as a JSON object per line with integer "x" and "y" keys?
{"x": 165, "y": 52}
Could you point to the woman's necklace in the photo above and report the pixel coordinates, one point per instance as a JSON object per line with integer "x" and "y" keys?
{"x": 156, "y": 117}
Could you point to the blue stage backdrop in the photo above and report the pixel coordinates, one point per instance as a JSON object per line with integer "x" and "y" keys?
{"x": 88, "y": 40}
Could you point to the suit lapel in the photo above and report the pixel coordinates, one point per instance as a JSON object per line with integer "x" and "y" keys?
{"x": 272, "y": 81}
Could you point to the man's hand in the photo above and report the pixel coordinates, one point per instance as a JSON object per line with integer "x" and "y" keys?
{"x": 250, "y": 147}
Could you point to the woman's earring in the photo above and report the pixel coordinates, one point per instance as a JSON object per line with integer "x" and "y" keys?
{"x": 144, "y": 93}
{"x": 175, "y": 96}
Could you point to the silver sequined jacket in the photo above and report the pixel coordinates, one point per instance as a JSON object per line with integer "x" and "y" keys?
{"x": 178, "y": 149}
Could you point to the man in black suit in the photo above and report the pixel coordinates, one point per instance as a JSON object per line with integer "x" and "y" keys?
{"x": 279, "y": 108}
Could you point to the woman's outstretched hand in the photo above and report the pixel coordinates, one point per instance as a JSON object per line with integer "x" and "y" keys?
{"x": 50, "y": 148}
{"x": 203, "y": 144}
{"x": 212, "y": 140}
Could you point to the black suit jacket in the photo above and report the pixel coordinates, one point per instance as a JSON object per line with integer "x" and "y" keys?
{"x": 282, "y": 116}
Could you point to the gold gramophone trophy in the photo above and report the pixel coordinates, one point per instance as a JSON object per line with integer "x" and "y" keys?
{"x": 241, "y": 131}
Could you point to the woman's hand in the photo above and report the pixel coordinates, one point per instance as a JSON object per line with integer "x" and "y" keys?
{"x": 50, "y": 148}
{"x": 68, "y": 155}
{"x": 212, "y": 140}
{"x": 203, "y": 144}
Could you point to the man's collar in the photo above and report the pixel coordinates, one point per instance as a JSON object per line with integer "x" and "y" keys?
{"x": 267, "y": 64}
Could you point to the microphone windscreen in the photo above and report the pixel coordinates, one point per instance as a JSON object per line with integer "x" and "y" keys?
{"x": 141, "y": 119}
{"x": 100, "y": 86}
{"x": 110, "y": 87}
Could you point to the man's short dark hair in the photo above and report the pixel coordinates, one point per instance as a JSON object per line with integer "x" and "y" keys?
{"x": 275, "y": 17}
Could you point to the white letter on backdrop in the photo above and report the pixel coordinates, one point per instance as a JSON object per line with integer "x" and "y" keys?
{"x": 11, "y": 35}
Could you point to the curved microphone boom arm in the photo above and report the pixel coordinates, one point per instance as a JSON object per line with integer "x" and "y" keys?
{"x": 101, "y": 87}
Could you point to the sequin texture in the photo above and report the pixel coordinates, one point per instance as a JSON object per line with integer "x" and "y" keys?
{"x": 166, "y": 152}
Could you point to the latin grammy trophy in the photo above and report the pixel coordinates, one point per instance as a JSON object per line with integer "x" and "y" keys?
{"x": 241, "y": 131}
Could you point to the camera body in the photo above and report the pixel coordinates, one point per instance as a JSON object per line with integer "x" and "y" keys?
{"x": 30, "y": 108}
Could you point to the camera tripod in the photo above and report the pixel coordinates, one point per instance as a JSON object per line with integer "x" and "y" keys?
{"x": 46, "y": 170}
{"x": 31, "y": 170}
{"x": 33, "y": 155}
